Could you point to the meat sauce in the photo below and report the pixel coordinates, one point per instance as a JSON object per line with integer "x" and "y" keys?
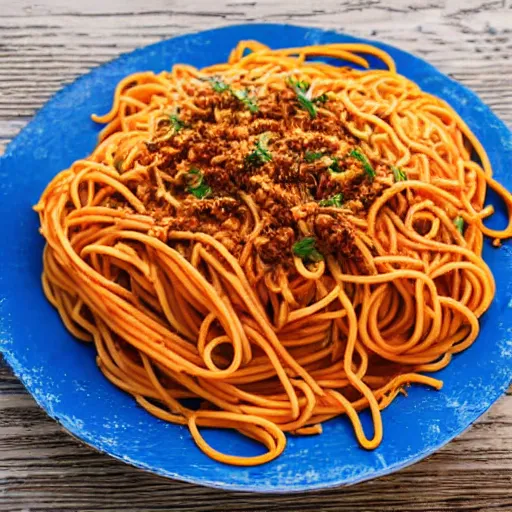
{"x": 214, "y": 150}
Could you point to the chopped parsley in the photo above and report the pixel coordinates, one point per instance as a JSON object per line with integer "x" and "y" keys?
{"x": 320, "y": 99}
{"x": 307, "y": 105}
{"x": 311, "y": 156}
{"x": 261, "y": 153}
{"x": 399, "y": 174}
{"x": 335, "y": 165}
{"x": 459, "y": 224}
{"x": 301, "y": 88}
{"x": 176, "y": 123}
{"x": 306, "y": 250}
{"x": 197, "y": 185}
{"x": 368, "y": 169}
{"x": 300, "y": 85}
{"x": 336, "y": 201}
{"x": 243, "y": 96}
{"x": 219, "y": 85}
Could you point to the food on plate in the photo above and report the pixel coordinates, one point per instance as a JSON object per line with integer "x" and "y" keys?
{"x": 284, "y": 239}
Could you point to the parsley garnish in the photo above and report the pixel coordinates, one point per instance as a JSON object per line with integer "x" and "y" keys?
{"x": 301, "y": 85}
{"x": 307, "y": 105}
{"x": 320, "y": 99}
{"x": 301, "y": 89}
{"x": 335, "y": 166}
{"x": 311, "y": 156}
{"x": 261, "y": 154}
{"x": 243, "y": 96}
{"x": 219, "y": 85}
{"x": 336, "y": 200}
{"x": 176, "y": 123}
{"x": 459, "y": 224}
{"x": 368, "y": 169}
{"x": 305, "y": 249}
{"x": 197, "y": 186}
{"x": 399, "y": 174}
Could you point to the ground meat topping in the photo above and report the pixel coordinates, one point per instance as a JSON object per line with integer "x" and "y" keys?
{"x": 223, "y": 150}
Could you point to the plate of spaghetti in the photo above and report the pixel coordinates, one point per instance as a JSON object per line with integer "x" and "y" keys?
{"x": 273, "y": 258}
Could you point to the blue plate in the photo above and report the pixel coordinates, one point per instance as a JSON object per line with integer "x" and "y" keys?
{"x": 62, "y": 375}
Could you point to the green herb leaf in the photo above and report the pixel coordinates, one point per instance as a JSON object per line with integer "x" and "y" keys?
{"x": 301, "y": 89}
{"x": 307, "y": 105}
{"x": 197, "y": 186}
{"x": 323, "y": 98}
{"x": 176, "y": 123}
{"x": 335, "y": 166}
{"x": 261, "y": 153}
{"x": 459, "y": 224}
{"x": 336, "y": 201}
{"x": 218, "y": 85}
{"x": 368, "y": 169}
{"x": 243, "y": 96}
{"x": 305, "y": 249}
{"x": 301, "y": 85}
{"x": 311, "y": 156}
{"x": 399, "y": 174}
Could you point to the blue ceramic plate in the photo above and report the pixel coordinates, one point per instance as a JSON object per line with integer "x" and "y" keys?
{"x": 62, "y": 375}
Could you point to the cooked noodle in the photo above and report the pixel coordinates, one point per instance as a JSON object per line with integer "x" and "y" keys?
{"x": 343, "y": 263}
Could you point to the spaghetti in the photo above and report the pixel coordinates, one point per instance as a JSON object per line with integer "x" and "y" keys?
{"x": 285, "y": 240}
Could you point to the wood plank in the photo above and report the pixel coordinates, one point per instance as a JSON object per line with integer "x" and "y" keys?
{"x": 45, "y": 48}
{"x": 46, "y": 45}
{"x": 39, "y": 463}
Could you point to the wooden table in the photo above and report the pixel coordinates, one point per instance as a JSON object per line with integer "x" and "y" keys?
{"x": 46, "y": 45}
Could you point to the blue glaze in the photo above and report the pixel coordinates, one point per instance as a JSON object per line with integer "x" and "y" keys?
{"x": 61, "y": 373}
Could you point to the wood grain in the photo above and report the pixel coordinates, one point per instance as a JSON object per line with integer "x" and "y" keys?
{"x": 46, "y": 45}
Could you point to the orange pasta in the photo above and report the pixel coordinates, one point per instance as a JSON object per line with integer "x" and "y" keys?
{"x": 285, "y": 240}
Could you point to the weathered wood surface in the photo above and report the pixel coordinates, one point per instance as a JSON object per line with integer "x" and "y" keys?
{"x": 47, "y": 44}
